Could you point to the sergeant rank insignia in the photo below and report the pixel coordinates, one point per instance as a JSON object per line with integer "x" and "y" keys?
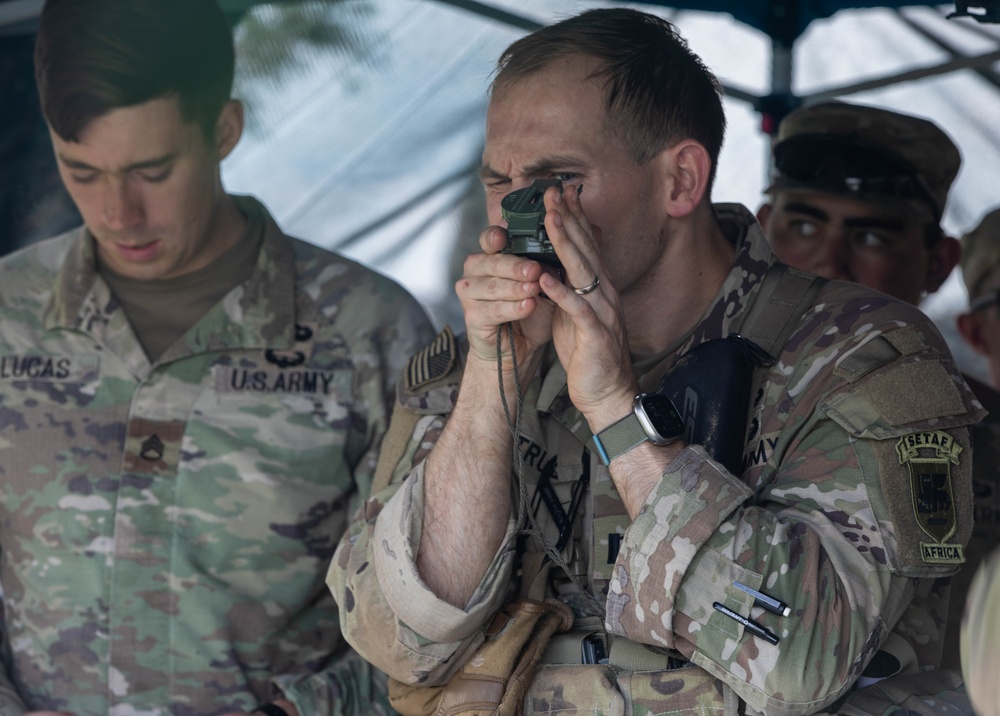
{"x": 929, "y": 457}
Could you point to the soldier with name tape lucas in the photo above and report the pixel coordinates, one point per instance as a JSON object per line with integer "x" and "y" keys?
{"x": 191, "y": 401}
{"x": 675, "y": 585}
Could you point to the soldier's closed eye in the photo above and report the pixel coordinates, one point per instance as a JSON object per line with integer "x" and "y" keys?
{"x": 83, "y": 177}
{"x": 156, "y": 177}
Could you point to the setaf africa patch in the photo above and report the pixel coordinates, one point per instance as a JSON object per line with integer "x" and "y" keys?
{"x": 434, "y": 361}
{"x": 929, "y": 456}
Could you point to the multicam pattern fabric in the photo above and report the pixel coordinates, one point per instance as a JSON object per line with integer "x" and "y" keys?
{"x": 165, "y": 528}
{"x": 824, "y": 517}
{"x": 980, "y": 646}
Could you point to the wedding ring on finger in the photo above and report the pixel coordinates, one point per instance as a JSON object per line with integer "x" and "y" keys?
{"x": 589, "y": 287}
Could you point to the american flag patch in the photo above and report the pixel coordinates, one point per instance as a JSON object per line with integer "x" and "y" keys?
{"x": 433, "y": 362}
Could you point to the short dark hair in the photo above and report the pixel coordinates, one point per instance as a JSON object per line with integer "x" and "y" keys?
{"x": 94, "y": 56}
{"x": 658, "y": 91}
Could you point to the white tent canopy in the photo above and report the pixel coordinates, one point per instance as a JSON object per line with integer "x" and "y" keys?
{"x": 373, "y": 149}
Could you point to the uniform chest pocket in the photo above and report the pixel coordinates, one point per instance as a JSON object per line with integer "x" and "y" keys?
{"x": 298, "y": 423}
{"x": 274, "y": 452}
{"x": 52, "y": 416}
{"x": 60, "y": 432}
{"x": 296, "y": 406}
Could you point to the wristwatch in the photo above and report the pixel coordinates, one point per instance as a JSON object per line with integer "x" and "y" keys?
{"x": 653, "y": 418}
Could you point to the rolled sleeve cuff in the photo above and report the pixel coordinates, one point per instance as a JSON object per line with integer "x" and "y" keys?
{"x": 397, "y": 538}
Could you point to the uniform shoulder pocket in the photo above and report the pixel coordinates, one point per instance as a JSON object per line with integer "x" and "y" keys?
{"x": 908, "y": 422}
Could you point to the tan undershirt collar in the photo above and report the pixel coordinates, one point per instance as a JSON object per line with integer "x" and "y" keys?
{"x": 162, "y": 311}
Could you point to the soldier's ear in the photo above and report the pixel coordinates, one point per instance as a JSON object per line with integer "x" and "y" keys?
{"x": 944, "y": 256}
{"x": 764, "y": 215}
{"x": 687, "y": 167}
{"x": 228, "y": 128}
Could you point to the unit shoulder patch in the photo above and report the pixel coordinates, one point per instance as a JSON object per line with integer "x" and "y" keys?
{"x": 920, "y": 488}
{"x": 929, "y": 456}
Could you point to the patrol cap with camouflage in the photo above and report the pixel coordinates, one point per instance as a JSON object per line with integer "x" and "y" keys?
{"x": 866, "y": 153}
{"x": 981, "y": 257}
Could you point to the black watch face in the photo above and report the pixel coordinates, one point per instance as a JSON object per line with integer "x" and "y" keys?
{"x": 663, "y": 415}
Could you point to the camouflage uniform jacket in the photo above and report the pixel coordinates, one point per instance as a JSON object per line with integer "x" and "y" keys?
{"x": 165, "y": 529}
{"x": 862, "y": 415}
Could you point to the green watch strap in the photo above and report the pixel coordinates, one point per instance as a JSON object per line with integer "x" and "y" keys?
{"x": 619, "y": 438}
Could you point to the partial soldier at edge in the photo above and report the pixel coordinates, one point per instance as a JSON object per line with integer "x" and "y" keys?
{"x": 858, "y": 194}
{"x": 980, "y": 327}
{"x": 980, "y": 324}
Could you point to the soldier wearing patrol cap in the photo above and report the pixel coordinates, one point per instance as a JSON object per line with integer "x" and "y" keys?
{"x": 669, "y": 582}
{"x": 191, "y": 400}
{"x": 858, "y": 193}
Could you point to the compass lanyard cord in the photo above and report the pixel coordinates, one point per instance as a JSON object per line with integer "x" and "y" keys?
{"x": 523, "y": 513}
